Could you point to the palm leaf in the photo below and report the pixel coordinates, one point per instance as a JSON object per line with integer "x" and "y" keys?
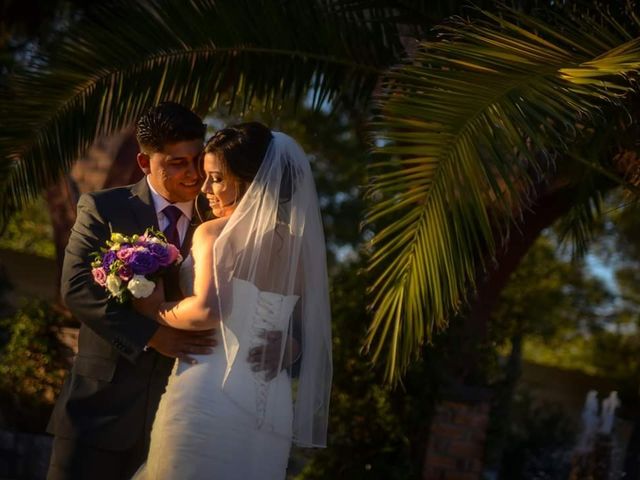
{"x": 469, "y": 123}
{"x": 103, "y": 72}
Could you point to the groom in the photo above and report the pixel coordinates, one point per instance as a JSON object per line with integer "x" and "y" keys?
{"x": 103, "y": 416}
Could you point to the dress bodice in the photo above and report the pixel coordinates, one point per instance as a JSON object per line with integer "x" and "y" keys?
{"x": 253, "y": 313}
{"x": 218, "y": 418}
{"x": 248, "y": 313}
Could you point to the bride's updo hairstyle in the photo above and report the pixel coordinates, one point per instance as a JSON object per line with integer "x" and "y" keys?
{"x": 241, "y": 149}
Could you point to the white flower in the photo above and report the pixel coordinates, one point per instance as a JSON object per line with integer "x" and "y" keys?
{"x": 154, "y": 240}
{"x": 140, "y": 287}
{"x": 113, "y": 284}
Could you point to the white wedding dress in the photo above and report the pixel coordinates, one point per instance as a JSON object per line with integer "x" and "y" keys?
{"x": 204, "y": 432}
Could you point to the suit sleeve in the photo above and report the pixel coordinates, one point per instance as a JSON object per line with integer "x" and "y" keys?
{"x": 121, "y": 326}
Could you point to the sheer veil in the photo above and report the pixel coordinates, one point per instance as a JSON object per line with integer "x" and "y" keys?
{"x": 270, "y": 272}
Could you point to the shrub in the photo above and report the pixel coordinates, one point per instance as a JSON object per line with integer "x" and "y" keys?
{"x": 33, "y": 363}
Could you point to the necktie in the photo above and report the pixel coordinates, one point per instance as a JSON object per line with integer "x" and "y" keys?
{"x": 171, "y": 231}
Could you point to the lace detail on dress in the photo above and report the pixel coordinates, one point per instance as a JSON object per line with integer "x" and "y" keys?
{"x": 253, "y": 313}
{"x": 265, "y": 318}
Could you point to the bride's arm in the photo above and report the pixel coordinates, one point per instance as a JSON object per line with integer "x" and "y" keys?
{"x": 199, "y": 311}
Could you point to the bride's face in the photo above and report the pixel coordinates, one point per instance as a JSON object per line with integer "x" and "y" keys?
{"x": 220, "y": 186}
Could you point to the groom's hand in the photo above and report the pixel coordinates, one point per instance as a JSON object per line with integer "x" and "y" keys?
{"x": 267, "y": 357}
{"x": 181, "y": 344}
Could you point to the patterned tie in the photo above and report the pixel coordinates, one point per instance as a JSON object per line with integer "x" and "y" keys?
{"x": 171, "y": 231}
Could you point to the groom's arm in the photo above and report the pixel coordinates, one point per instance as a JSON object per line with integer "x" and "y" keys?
{"x": 126, "y": 330}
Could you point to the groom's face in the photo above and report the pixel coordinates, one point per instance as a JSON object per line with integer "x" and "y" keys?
{"x": 173, "y": 172}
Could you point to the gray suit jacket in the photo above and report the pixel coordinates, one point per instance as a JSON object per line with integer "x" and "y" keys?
{"x": 110, "y": 396}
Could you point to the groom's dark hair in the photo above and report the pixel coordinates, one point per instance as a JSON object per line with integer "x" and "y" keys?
{"x": 167, "y": 122}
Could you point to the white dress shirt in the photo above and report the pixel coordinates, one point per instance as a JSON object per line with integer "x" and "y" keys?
{"x": 159, "y": 202}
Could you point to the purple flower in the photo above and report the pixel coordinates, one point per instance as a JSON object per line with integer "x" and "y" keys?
{"x": 163, "y": 254}
{"x": 125, "y": 273}
{"x": 142, "y": 262}
{"x": 108, "y": 259}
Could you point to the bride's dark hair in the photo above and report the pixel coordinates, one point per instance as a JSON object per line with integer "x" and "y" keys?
{"x": 241, "y": 148}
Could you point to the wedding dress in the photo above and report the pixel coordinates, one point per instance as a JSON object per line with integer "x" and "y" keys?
{"x": 200, "y": 432}
{"x": 218, "y": 419}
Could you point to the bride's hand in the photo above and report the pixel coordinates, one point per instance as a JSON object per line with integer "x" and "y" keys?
{"x": 149, "y": 306}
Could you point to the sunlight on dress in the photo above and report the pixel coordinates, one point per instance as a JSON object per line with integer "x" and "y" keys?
{"x": 202, "y": 433}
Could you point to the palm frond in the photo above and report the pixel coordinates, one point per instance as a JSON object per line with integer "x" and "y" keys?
{"x": 578, "y": 225}
{"x": 591, "y": 167}
{"x": 102, "y": 73}
{"x": 469, "y": 123}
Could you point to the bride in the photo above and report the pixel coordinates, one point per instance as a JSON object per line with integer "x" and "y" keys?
{"x": 258, "y": 274}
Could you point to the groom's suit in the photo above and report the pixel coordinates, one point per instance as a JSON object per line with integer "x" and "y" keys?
{"x": 109, "y": 399}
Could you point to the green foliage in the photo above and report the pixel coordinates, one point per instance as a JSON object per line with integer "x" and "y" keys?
{"x": 543, "y": 315}
{"x": 104, "y": 71}
{"x": 32, "y": 365}
{"x": 25, "y": 24}
{"x": 473, "y": 120}
{"x": 30, "y": 231}
{"x": 371, "y": 426}
{"x": 625, "y": 229}
{"x": 594, "y": 330}
{"x": 548, "y": 296}
{"x": 469, "y": 116}
{"x": 618, "y": 357}
{"x": 572, "y": 352}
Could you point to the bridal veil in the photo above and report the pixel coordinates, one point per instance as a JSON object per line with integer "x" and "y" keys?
{"x": 271, "y": 255}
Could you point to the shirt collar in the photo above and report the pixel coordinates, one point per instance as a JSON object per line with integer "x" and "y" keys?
{"x": 159, "y": 202}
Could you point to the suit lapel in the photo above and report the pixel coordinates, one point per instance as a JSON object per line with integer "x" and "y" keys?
{"x": 142, "y": 206}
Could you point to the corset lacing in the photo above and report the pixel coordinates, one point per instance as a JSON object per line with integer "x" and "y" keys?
{"x": 268, "y": 307}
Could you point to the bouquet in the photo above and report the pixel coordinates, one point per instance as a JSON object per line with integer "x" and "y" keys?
{"x": 128, "y": 266}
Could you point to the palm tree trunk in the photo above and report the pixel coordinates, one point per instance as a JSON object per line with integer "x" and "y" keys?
{"x": 555, "y": 201}
{"x": 503, "y": 405}
{"x": 549, "y": 207}
{"x": 124, "y": 169}
{"x": 61, "y": 200}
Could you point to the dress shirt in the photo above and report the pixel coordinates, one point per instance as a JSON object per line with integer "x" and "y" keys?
{"x": 159, "y": 202}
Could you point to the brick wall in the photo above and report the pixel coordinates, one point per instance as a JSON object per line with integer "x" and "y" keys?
{"x": 456, "y": 441}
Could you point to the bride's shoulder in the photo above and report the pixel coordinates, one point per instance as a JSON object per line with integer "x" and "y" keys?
{"x": 210, "y": 230}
